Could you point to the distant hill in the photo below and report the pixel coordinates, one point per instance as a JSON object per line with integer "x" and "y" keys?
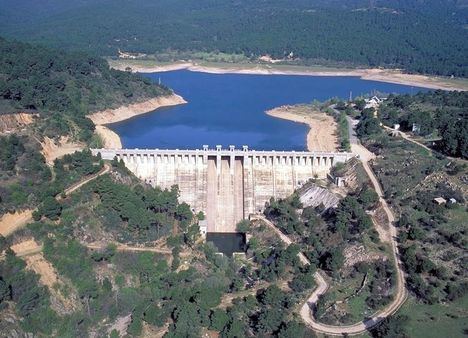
{"x": 65, "y": 86}
{"x": 423, "y": 36}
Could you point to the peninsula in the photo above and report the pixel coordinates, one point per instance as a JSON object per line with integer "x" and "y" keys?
{"x": 322, "y": 135}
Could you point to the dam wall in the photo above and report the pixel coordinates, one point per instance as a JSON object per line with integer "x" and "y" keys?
{"x": 226, "y": 184}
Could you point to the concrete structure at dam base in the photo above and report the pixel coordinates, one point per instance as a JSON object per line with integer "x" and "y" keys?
{"x": 226, "y": 184}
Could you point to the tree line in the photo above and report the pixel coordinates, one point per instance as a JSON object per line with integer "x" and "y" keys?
{"x": 429, "y": 38}
{"x": 65, "y": 86}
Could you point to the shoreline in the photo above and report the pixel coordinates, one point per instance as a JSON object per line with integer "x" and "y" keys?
{"x": 321, "y": 135}
{"x": 102, "y": 118}
{"x": 371, "y": 74}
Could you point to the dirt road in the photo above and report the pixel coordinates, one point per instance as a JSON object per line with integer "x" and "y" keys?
{"x": 322, "y": 286}
{"x": 78, "y": 185}
{"x": 9, "y": 223}
{"x": 122, "y": 247}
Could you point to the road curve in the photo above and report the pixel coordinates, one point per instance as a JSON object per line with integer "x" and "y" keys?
{"x": 78, "y": 185}
{"x": 400, "y": 295}
{"x": 322, "y": 285}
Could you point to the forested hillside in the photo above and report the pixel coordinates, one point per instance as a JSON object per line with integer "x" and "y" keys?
{"x": 425, "y": 36}
{"x": 65, "y": 87}
{"x": 438, "y": 116}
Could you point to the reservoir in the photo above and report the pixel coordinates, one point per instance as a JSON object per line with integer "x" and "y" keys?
{"x": 229, "y": 109}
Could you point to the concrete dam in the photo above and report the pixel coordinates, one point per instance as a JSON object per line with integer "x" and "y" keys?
{"x": 226, "y": 184}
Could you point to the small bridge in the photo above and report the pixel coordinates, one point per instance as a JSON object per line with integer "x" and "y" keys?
{"x": 226, "y": 184}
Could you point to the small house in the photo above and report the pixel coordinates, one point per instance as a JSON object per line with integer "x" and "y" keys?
{"x": 373, "y": 102}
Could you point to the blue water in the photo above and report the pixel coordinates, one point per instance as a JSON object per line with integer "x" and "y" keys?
{"x": 229, "y": 109}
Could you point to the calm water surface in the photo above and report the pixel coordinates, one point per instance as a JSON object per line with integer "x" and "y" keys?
{"x": 227, "y": 243}
{"x": 229, "y": 109}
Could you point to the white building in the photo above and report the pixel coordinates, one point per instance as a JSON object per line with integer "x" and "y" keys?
{"x": 373, "y": 102}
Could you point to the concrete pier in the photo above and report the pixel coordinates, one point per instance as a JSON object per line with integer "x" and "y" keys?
{"x": 226, "y": 184}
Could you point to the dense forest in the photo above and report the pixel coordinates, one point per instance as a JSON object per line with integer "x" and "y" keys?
{"x": 65, "y": 86}
{"x": 424, "y": 37}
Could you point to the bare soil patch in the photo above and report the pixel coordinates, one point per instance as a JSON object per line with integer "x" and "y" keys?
{"x": 11, "y": 222}
{"x": 109, "y": 138}
{"x": 135, "y": 109}
{"x": 12, "y": 123}
{"x": 322, "y": 135}
{"x": 55, "y": 149}
{"x": 29, "y": 250}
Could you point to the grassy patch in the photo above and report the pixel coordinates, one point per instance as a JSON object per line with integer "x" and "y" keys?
{"x": 437, "y": 320}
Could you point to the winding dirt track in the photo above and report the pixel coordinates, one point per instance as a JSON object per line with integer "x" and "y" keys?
{"x": 400, "y": 291}
{"x": 78, "y": 185}
{"x": 9, "y": 223}
{"x": 322, "y": 285}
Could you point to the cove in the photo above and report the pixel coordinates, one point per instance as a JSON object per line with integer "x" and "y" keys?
{"x": 229, "y": 109}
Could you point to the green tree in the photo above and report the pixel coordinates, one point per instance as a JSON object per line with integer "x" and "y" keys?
{"x": 391, "y": 327}
{"x": 50, "y": 208}
{"x": 292, "y": 329}
{"x": 4, "y": 291}
{"x": 368, "y": 198}
{"x": 218, "y": 319}
{"x": 243, "y": 226}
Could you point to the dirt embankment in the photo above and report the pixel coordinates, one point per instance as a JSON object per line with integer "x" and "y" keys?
{"x": 125, "y": 112}
{"x": 109, "y": 138}
{"x": 322, "y": 135}
{"x": 63, "y": 303}
{"x": 374, "y": 74}
{"x": 10, "y": 222}
{"x": 55, "y": 149}
{"x": 11, "y": 123}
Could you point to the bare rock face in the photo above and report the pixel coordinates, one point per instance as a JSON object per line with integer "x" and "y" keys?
{"x": 10, "y": 123}
{"x": 10, "y": 324}
{"x": 313, "y": 195}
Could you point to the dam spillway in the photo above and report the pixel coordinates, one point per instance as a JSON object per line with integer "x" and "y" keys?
{"x": 226, "y": 184}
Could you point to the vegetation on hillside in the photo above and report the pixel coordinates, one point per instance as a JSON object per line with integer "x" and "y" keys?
{"x": 65, "y": 87}
{"x": 439, "y": 115}
{"x": 432, "y": 236}
{"x": 427, "y": 37}
{"x": 190, "y": 290}
{"x": 330, "y": 238}
{"x": 27, "y": 182}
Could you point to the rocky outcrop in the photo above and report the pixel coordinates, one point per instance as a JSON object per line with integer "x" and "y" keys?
{"x": 313, "y": 195}
{"x": 10, "y": 123}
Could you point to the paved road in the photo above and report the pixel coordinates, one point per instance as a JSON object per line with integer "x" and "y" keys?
{"x": 353, "y": 139}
